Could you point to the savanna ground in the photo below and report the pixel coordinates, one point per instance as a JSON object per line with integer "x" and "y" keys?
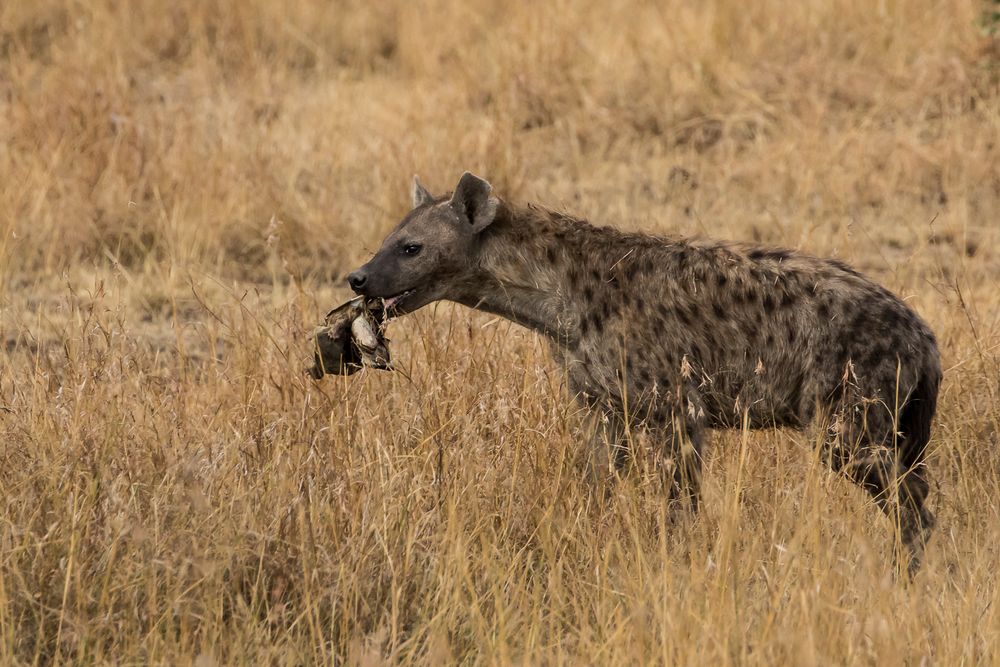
{"x": 184, "y": 185}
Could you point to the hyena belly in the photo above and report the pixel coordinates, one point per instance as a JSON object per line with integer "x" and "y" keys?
{"x": 656, "y": 367}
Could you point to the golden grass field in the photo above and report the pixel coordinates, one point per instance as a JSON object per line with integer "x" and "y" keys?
{"x": 184, "y": 186}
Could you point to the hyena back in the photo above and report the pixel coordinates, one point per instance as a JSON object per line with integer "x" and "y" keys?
{"x": 668, "y": 337}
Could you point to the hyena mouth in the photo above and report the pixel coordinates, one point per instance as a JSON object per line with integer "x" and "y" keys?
{"x": 392, "y": 303}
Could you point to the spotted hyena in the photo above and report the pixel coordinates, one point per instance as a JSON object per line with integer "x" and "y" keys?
{"x": 668, "y": 336}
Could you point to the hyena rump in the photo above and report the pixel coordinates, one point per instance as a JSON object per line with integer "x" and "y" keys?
{"x": 668, "y": 337}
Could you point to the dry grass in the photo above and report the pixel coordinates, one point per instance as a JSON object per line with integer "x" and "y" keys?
{"x": 183, "y": 186}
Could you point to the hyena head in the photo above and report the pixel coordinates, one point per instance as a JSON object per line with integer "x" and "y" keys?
{"x": 432, "y": 251}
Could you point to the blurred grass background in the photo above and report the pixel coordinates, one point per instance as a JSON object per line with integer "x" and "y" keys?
{"x": 183, "y": 187}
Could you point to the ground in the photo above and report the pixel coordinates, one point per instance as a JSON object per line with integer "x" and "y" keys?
{"x": 184, "y": 189}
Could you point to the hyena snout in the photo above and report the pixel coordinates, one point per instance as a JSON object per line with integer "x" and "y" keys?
{"x": 358, "y": 280}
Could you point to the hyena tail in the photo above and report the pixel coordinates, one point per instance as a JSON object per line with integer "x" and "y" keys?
{"x": 915, "y": 419}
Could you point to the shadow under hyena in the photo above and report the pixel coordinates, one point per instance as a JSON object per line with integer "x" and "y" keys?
{"x": 668, "y": 337}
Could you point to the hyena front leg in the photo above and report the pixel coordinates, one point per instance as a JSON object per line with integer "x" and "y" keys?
{"x": 860, "y": 445}
{"x": 673, "y": 423}
{"x": 682, "y": 432}
{"x": 677, "y": 444}
{"x": 608, "y": 449}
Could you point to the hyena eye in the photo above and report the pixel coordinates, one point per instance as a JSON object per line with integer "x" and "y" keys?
{"x": 411, "y": 249}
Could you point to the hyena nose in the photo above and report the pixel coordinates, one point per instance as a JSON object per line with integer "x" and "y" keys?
{"x": 357, "y": 280}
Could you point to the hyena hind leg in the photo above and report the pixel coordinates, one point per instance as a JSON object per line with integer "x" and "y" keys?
{"x": 899, "y": 492}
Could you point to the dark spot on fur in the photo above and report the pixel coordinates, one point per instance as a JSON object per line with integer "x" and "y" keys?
{"x": 595, "y": 274}
{"x": 745, "y": 296}
{"x": 588, "y": 293}
{"x": 710, "y": 339}
{"x": 644, "y": 375}
{"x": 720, "y": 312}
{"x": 721, "y": 279}
{"x": 550, "y": 254}
{"x": 768, "y": 303}
{"x": 682, "y": 312}
{"x": 697, "y": 352}
{"x": 630, "y": 271}
{"x": 796, "y": 382}
{"x": 873, "y": 355}
{"x": 823, "y": 310}
{"x": 791, "y": 335}
{"x": 584, "y": 328}
{"x": 640, "y": 304}
{"x": 597, "y": 322}
{"x": 787, "y": 299}
{"x": 626, "y": 299}
{"x": 770, "y": 340}
{"x": 858, "y": 322}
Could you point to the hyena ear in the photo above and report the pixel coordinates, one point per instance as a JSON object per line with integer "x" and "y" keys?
{"x": 473, "y": 203}
{"x": 420, "y": 194}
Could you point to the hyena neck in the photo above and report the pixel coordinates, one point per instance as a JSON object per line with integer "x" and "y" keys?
{"x": 522, "y": 273}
